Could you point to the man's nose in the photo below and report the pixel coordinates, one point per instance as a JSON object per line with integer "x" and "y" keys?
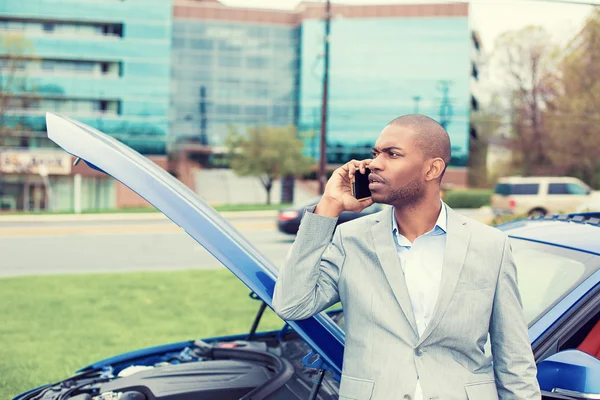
{"x": 376, "y": 164}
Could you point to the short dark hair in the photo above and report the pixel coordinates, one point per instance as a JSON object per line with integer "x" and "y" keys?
{"x": 432, "y": 138}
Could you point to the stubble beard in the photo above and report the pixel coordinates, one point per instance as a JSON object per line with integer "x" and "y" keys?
{"x": 408, "y": 195}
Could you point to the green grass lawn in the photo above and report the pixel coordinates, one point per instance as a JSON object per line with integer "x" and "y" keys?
{"x": 53, "y": 325}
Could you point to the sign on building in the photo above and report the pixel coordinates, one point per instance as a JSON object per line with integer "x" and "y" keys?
{"x": 32, "y": 162}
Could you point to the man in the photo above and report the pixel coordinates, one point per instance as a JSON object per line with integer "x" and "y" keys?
{"x": 421, "y": 286}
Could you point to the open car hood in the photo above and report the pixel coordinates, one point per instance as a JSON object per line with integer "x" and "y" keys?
{"x": 195, "y": 217}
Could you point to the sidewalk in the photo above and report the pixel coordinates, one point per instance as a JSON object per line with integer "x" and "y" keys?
{"x": 143, "y": 216}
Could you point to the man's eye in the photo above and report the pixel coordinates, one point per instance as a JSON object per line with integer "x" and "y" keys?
{"x": 394, "y": 154}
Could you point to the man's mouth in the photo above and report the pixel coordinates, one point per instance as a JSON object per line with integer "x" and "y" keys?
{"x": 375, "y": 180}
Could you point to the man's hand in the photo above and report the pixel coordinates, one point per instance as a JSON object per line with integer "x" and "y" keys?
{"x": 338, "y": 191}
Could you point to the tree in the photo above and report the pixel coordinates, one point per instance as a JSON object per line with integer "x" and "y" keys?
{"x": 574, "y": 115}
{"x": 485, "y": 124}
{"x": 527, "y": 57}
{"x": 15, "y": 88}
{"x": 268, "y": 153}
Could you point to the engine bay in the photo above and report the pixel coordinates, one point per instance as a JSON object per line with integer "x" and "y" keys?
{"x": 265, "y": 368}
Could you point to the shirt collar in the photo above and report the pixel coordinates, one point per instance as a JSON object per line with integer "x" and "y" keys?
{"x": 442, "y": 220}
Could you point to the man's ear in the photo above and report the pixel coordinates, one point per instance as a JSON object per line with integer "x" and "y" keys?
{"x": 436, "y": 168}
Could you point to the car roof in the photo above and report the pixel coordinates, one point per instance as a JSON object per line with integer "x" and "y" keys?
{"x": 574, "y": 231}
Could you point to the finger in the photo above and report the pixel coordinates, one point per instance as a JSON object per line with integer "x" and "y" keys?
{"x": 351, "y": 170}
{"x": 363, "y": 167}
{"x": 364, "y": 164}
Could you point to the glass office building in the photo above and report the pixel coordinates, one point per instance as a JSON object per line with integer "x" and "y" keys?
{"x": 235, "y": 68}
{"x": 232, "y": 75}
{"x": 106, "y": 63}
{"x": 179, "y": 75}
{"x": 381, "y": 68}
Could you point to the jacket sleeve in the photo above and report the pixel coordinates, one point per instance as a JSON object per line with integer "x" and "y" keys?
{"x": 308, "y": 281}
{"x": 514, "y": 365}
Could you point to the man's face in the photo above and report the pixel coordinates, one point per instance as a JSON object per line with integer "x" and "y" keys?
{"x": 397, "y": 171}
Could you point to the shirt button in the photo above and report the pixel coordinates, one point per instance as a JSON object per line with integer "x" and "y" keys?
{"x": 418, "y": 352}
{"x": 406, "y": 397}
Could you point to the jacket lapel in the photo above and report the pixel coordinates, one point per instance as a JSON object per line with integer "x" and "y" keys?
{"x": 390, "y": 263}
{"x": 457, "y": 242}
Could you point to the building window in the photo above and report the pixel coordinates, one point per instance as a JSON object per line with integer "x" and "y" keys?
{"x": 228, "y": 109}
{"x": 281, "y": 112}
{"x": 257, "y": 111}
{"x": 61, "y": 28}
{"x": 178, "y": 43}
{"x": 474, "y": 71}
{"x": 27, "y": 105}
{"x": 84, "y": 67}
{"x": 257, "y": 62}
{"x": 201, "y": 44}
{"x": 226, "y": 60}
{"x": 113, "y": 30}
{"x": 48, "y": 65}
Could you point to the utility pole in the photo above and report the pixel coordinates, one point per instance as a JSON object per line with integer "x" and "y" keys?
{"x": 323, "y": 155}
{"x": 446, "y": 111}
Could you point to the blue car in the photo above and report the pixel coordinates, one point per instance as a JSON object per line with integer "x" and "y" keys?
{"x": 558, "y": 260}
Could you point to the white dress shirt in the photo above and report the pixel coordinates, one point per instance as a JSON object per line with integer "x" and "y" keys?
{"x": 422, "y": 266}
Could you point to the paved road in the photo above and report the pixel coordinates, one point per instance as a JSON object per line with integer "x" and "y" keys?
{"x": 97, "y": 244}
{"x": 57, "y": 247}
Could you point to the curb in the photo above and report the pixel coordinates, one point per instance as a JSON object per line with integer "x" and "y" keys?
{"x": 150, "y": 216}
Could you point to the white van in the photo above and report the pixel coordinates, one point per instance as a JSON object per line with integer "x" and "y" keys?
{"x": 540, "y": 195}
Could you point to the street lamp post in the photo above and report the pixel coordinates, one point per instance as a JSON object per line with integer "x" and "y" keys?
{"x": 417, "y": 99}
{"x": 323, "y": 155}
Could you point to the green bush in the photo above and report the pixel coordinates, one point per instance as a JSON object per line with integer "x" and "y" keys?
{"x": 502, "y": 219}
{"x": 468, "y": 198}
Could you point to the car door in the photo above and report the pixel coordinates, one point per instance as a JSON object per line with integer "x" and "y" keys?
{"x": 564, "y": 365}
{"x": 568, "y": 369}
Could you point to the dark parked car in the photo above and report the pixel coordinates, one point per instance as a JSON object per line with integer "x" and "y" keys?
{"x": 288, "y": 219}
{"x": 558, "y": 261}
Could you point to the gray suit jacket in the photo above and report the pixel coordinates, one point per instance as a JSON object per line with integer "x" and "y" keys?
{"x": 357, "y": 263}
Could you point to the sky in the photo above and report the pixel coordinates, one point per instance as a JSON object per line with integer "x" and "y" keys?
{"x": 489, "y": 17}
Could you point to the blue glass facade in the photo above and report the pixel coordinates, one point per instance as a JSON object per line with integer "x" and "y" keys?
{"x": 105, "y": 62}
{"x": 381, "y": 68}
{"x": 130, "y": 69}
{"x": 232, "y": 75}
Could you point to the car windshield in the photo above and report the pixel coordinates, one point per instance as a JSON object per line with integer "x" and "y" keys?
{"x": 547, "y": 273}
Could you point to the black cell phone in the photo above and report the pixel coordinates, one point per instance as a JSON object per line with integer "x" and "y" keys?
{"x": 360, "y": 185}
